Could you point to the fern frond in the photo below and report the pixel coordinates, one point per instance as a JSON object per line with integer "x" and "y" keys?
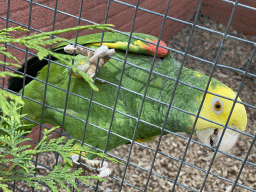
{"x": 7, "y": 54}
{"x": 4, "y": 187}
{"x": 10, "y": 64}
{"x": 12, "y": 29}
{"x": 62, "y": 175}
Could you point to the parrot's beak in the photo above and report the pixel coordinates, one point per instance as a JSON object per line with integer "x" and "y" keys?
{"x": 211, "y": 137}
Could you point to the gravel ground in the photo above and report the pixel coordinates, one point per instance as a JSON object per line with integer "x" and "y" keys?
{"x": 204, "y": 45}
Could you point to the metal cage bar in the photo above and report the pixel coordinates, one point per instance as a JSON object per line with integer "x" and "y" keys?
{"x": 119, "y": 87}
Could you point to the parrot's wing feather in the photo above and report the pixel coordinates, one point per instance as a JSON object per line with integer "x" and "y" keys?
{"x": 34, "y": 65}
{"x": 112, "y": 40}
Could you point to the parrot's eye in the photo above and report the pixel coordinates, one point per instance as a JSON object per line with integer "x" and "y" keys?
{"x": 217, "y": 105}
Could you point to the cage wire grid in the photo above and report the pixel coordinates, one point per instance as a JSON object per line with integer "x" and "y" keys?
{"x": 156, "y": 151}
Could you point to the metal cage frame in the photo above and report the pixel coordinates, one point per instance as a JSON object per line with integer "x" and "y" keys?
{"x": 185, "y": 54}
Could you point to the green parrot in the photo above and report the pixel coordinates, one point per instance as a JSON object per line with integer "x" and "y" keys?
{"x": 133, "y": 84}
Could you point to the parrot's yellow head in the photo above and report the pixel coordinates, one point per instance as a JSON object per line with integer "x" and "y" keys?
{"x": 217, "y": 109}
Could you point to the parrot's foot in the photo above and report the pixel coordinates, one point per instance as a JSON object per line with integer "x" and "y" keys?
{"x": 70, "y": 49}
{"x": 90, "y": 65}
{"x": 101, "y": 52}
{"x": 104, "y": 171}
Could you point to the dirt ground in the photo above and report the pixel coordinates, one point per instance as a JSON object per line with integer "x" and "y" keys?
{"x": 204, "y": 45}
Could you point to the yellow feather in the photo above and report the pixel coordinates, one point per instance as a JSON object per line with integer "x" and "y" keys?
{"x": 147, "y": 140}
{"x": 238, "y": 118}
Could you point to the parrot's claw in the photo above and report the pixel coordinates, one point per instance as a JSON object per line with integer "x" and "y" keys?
{"x": 69, "y": 49}
{"x": 89, "y": 66}
{"x": 79, "y": 50}
{"x": 100, "y": 54}
{"x": 75, "y": 159}
{"x": 102, "y": 51}
{"x": 104, "y": 171}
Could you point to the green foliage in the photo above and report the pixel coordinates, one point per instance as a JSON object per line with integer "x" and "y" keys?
{"x": 10, "y": 145}
{"x": 19, "y": 166}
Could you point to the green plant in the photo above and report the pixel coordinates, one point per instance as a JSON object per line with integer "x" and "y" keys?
{"x": 21, "y": 156}
{"x": 19, "y": 165}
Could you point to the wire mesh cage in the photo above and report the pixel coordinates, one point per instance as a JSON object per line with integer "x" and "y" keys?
{"x": 173, "y": 161}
